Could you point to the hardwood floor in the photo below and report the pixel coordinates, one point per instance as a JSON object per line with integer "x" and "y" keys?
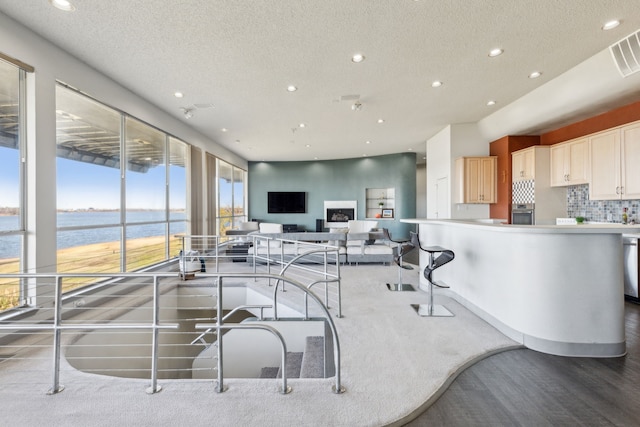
{"x": 526, "y": 388}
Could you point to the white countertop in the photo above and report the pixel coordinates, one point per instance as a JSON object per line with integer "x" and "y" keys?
{"x": 537, "y": 229}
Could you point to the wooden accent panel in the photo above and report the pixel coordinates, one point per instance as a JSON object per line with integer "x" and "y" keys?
{"x": 619, "y": 116}
{"x": 502, "y": 148}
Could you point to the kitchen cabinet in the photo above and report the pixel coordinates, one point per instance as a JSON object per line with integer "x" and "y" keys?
{"x": 615, "y": 155}
{"x": 476, "y": 179}
{"x": 570, "y": 163}
{"x": 523, "y": 165}
{"x": 550, "y": 202}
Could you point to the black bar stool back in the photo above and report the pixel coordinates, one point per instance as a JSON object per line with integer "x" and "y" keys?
{"x": 443, "y": 257}
{"x": 403, "y": 247}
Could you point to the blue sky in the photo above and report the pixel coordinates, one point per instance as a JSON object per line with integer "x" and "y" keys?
{"x": 8, "y": 177}
{"x": 84, "y": 185}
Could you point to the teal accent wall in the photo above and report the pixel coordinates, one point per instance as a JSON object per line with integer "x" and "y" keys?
{"x": 344, "y": 179}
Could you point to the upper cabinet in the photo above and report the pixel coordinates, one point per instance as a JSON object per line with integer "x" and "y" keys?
{"x": 615, "y": 155}
{"x": 570, "y": 163}
{"x": 523, "y": 165}
{"x": 477, "y": 179}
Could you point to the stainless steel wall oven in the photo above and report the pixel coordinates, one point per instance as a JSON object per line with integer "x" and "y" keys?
{"x": 523, "y": 214}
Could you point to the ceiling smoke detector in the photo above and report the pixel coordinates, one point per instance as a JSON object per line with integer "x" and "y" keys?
{"x": 357, "y": 106}
{"x": 188, "y": 111}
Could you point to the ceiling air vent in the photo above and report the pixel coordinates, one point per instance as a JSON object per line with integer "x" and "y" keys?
{"x": 626, "y": 54}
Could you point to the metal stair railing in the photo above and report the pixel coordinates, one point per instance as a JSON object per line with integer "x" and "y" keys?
{"x": 56, "y": 324}
{"x": 306, "y": 256}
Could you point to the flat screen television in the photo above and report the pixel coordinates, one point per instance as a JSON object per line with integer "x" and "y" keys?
{"x": 287, "y": 202}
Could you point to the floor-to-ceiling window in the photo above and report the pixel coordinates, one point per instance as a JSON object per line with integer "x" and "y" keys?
{"x": 146, "y": 195}
{"x": 11, "y": 179}
{"x": 231, "y": 196}
{"x": 178, "y": 162}
{"x": 117, "y": 205}
{"x": 88, "y": 184}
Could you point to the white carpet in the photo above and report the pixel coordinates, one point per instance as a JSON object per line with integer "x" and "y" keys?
{"x": 393, "y": 364}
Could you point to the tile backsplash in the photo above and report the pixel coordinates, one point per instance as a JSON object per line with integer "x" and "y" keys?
{"x": 578, "y": 204}
{"x": 524, "y": 191}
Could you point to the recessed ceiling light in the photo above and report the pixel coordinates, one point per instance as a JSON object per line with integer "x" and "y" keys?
{"x": 380, "y": 120}
{"x": 308, "y": 145}
{"x": 367, "y": 142}
{"x": 364, "y": 155}
{"x": 63, "y": 5}
{"x": 409, "y": 149}
{"x": 535, "y": 75}
{"x": 292, "y": 88}
{"x": 610, "y": 25}
{"x": 178, "y": 95}
{"x": 358, "y": 57}
{"x": 224, "y": 129}
{"x": 495, "y": 52}
{"x": 490, "y": 103}
{"x": 302, "y": 125}
{"x": 436, "y": 83}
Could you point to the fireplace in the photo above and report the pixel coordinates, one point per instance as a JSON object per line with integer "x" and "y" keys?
{"x": 338, "y": 213}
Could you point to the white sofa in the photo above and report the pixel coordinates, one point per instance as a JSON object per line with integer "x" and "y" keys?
{"x": 285, "y": 246}
{"x": 244, "y": 228}
{"x": 366, "y": 243}
{"x": 360, "y": 241}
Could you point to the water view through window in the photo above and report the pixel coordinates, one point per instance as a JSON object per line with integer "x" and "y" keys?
{"x": 11, "y": 181}
{"x": 107, "y": 195}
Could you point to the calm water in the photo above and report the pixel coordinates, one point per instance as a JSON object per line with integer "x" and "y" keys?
{"x": 9, "y": 246}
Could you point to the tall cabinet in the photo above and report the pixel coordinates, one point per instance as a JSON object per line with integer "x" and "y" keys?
{"x": 502, "y": 148}
{"x": 533, "y": 163}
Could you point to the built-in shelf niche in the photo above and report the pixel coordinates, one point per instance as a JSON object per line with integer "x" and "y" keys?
{"x": 381, "y": 203}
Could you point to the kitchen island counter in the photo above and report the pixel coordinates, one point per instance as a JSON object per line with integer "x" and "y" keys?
{"x": 558, "y": 289}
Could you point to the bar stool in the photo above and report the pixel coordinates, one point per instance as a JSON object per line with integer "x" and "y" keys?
{"x": 445, "y": 256}
{"x": 403, "y": 247}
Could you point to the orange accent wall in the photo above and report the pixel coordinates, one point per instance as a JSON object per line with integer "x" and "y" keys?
{"x": 506, "y": 145}
{"x": 619, "y": 116}
{"x": 503, "y": 148}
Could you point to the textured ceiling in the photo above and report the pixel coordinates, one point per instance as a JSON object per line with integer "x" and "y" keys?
{"x": 241, "y": 55}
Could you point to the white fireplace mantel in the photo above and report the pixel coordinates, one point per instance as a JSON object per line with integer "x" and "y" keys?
{"x": 339, "y": 204}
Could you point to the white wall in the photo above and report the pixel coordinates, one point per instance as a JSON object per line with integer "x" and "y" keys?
{"x": 438, "y": 168}
{"x": 443, "y": 149}
{"x": 466, "y": 141}
{"x": 421, "y": 190}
